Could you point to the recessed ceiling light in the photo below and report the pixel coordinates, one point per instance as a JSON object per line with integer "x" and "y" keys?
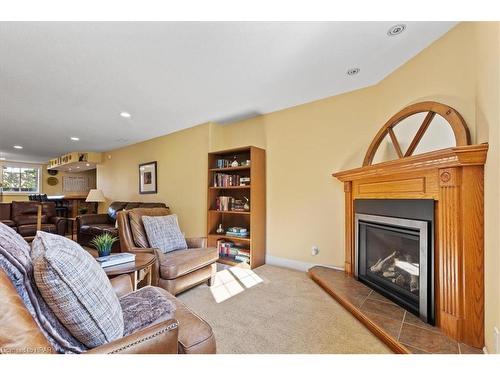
{"x": 125, "y": 114}
{"x": 353, "y": 71}
{"x": 75, "y": 139}
{"x": 396, "y": 29}
{"x": 18, "y": 147}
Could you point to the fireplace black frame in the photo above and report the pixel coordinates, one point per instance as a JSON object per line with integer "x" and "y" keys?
{"x": 414, "y": 217}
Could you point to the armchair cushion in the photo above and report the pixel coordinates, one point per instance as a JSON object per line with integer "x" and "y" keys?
{"x": 91, "y": 219}
{"x": 29, "y": 219}
{"x": 164, "y": 233}
{"x": 181, "y": 262}
{"x": 145, "y": 307}
{"x": 76, "y": 289}
{"x": 137, "y": 226}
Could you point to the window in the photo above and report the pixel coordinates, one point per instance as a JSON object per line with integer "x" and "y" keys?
{"x": 22, "y": 179}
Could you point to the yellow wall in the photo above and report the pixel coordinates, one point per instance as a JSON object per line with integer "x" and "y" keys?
{"x": 182, "y": 175}
{"x": 306, "y": 143}
{"x": 488, "y": 126}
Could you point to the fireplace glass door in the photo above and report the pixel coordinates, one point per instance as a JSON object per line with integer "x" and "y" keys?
{"x": 392, "y": 259}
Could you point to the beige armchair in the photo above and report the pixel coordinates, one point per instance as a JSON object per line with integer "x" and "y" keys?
{"x": 175, "y": 271}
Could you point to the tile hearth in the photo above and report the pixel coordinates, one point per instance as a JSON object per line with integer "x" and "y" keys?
{"x": 406, "y": 329}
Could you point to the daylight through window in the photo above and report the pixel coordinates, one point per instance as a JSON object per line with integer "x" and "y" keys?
{"x": 20, "y": 179}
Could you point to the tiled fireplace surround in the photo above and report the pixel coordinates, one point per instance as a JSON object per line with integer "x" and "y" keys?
{"x": 454, "y": 179}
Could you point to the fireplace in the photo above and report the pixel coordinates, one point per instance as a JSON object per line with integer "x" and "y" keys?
{"x": 394, "y": 251}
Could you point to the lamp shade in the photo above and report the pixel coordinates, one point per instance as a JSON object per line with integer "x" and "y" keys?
{"x": 95, "y": 195}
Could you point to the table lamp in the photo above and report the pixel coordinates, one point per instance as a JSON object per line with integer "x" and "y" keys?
{"x": 95, "y": 196}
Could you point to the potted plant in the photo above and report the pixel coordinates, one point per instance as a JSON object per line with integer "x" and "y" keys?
{"x": 103, "y": 243}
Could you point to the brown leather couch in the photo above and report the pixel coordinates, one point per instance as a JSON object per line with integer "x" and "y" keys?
{"x": 186, "y": 333}
{"x": 89, "y": 226}
{"x": 22, "y": 217}
{"x": 177, "y": 270}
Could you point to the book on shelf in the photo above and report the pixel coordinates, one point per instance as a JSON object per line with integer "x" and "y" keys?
{"x": 224, "y": 203}
{"x": 229, "y": 249}
{"x": 242, "y": 258}
{"x": 115, "y": 259}
{"x": 225, "y": 163}
{"x": 229, "y": 180}
{"x": 237, "y": 232}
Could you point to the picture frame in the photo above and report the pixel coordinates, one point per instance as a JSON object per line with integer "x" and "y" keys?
{"x": 148, "y": 182}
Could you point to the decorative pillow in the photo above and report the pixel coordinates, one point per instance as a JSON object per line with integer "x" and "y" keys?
{"x": 15, "y": 260}
{"x": 137, "y": 227}
{"x": 76, "y": 289}
{"x": 164, "y": 233}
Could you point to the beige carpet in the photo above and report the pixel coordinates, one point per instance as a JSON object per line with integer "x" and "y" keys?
{"x": 277, "y": 310}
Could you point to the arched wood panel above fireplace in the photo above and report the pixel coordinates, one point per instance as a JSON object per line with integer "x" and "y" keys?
{"x": 413, "y": 124}
{"x": 453, "y": 177}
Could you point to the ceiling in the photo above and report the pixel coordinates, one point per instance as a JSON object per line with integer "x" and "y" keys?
{"x": 72, "y": 79}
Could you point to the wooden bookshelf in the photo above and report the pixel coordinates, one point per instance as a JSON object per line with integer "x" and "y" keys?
{"x": 254, "y": 219}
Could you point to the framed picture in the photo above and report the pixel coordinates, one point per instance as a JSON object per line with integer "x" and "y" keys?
{"x": 147, "y": 178}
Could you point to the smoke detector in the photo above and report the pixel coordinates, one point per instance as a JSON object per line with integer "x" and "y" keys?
{"x": 396, "y": 29}
{"x": 353, "y": 71}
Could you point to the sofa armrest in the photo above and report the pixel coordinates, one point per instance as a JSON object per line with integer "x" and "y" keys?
{"x": 60, "y": 223}
{"x": 90, "y": 219}
{"x": 122, "y": 285}
{"x": 161, "y": 338}
{"x": 196, "y": 242}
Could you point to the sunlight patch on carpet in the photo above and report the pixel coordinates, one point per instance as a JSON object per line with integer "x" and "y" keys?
{"x": 232, "y": 281}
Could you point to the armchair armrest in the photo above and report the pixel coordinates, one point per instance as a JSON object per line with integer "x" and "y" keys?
{"x": 122, "y": 285}
{"x": 143, "y": 250}
{"x": 160, "y": 338}
{"x": 90, "y": 219}
{"x": 60, "y": 223}
{"x": 196, "y": 242}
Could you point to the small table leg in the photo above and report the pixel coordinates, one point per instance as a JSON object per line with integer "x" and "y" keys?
{"x": 134, "y": 280}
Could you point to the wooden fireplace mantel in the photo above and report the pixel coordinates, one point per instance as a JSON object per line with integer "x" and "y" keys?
{"x": 454, "y": 178}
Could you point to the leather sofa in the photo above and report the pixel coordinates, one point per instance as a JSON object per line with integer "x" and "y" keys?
{"x": 186, "y": 333}
{"x": 175, "y": 271}
{"x": 22, "y": 217}
{"x": 91, "y": 225}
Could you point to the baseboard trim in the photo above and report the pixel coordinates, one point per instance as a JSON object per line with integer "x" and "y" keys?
{"x": 295, "y": 264}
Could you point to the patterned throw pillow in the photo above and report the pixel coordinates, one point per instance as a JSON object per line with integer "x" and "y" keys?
{"x": 164, "y": 233}
{"x": 15, "y": 260}
{"x": 77, "y": 290}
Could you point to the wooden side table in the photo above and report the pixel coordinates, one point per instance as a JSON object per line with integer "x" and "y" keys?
{"x": 140, "y": 269}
